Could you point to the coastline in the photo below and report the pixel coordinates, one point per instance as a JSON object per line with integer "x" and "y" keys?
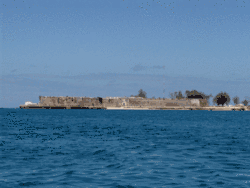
{"x": 127, "y": 103}
{"x": 208, "y": 108}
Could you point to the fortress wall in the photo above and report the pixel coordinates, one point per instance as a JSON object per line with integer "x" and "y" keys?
{"x": 115, "y": 102}
{"x": 58, "y": 101}
{"x": 112, "y": 102}
{"x": 88, "y": 102}
{"x": 85, "y": 102}
{"x": 45, "y": 101}
{"x": 203, "y": 103}
{"x": 160, "y": 103}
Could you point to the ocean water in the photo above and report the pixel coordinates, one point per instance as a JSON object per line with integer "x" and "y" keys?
{"x": 102, "y": 148}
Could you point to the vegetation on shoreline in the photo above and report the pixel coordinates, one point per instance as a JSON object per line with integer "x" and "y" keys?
{"x": 220, "y": 99}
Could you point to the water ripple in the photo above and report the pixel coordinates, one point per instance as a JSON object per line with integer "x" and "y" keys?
{"x": 88, "y": 148}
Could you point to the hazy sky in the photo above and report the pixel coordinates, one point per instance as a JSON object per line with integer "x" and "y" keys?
{"x": 116, "y": 47}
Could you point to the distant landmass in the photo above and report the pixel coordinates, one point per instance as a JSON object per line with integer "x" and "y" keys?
{"x": 125, "y": 103}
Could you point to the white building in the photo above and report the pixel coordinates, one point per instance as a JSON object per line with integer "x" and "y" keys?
{"x": 195, "y": 102}
{"x": 28, "y": 103}
{"x": 239, "y": 105}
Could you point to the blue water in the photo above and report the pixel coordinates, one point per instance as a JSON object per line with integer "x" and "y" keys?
{"x": 101, "y": 148}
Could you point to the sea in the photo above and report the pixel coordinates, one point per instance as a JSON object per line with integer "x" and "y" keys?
{"x": 124, "y": 148}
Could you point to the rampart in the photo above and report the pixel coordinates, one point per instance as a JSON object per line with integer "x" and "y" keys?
{"x": 109, "y": 102}
{"x": 125, "y": 103}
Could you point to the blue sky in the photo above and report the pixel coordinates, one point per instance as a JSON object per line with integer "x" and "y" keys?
{"x": 114, "y": 48}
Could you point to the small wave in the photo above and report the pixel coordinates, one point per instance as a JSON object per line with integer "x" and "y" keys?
{"x": 99, "y": 151}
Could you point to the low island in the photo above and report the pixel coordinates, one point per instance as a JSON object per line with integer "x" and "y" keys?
{"x": 127, "y": 103}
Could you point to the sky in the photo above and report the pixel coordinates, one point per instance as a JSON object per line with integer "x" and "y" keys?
{"x": 114, "y": 48}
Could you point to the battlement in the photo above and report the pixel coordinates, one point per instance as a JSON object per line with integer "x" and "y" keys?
{"x": 111, "y": 102}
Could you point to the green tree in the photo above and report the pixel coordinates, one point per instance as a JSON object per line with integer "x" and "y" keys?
{"x": 245, "y": 102}
{"x": 179, "y": 95}
{"x": 173, "y": 95}
{"x": 176, "y": 95}
{"x": 142, "y": 93}
{"x": 221, "y": 98}
{"x": 236, "y": 100}
{"x": 194, "y": 94}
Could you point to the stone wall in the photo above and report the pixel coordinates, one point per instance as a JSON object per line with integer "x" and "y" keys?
{"x": 111, "y": 102}
{"x": 58, "y": 101}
